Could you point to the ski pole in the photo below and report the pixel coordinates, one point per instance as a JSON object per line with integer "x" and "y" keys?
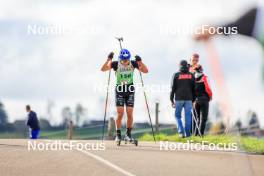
{"x": 106, "y": 102}
{"x": 107, "y": 93}
{"x": 120, "y": 39}
{"x": 196, "y": 123}
{"x": 146, "y": 101}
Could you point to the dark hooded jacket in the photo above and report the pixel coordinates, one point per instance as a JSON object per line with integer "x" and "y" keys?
{"x": 32, "y": 121}
{"x": 183, "y": 85}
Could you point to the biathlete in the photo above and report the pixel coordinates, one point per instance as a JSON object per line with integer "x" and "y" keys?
{"x": 125, "y": 90}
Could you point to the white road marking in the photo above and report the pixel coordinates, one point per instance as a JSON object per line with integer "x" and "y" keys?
{"x": 113, "y": 166}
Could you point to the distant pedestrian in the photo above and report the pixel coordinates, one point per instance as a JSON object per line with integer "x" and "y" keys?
{"x": 182, "y": 95}
{"x": 33, "y": 123}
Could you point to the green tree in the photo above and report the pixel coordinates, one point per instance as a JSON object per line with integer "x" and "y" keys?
{"x": 66, "y": 115}
{"x": 3, "y": 115}
{"x": 80, "y": 113}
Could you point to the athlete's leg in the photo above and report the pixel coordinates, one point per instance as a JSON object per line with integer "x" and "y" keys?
{"x": 129, "y": 102}
{"x": 120, "y": 101}
{"x": 129, "y": 111}
{"x": 120, "y": 113}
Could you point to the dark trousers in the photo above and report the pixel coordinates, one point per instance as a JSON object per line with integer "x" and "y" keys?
{"x": 201, "y": 114}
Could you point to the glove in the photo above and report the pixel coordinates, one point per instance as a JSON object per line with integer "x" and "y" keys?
{"x": 111, "y": 55}
{"x": 138, "y": 58}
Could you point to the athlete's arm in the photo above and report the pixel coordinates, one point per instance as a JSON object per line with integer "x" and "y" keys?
{"x": 141, "y": 66}
{"x": 108, "y": 63}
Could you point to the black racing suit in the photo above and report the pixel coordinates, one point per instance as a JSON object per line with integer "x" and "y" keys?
{"x": 124, "y": 94}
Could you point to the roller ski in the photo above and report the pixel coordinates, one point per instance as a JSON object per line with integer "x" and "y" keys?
{"x": 128, "y": 137}
{"x": 129, "y": 140}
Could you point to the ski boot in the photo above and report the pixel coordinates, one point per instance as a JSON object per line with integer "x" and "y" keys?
{"x": 118, "y": 137}
{"x": 118, "y": 140}
{"x": 129, "y": 139}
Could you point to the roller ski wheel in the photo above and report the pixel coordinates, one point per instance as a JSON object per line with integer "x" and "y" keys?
{"x": 136, "y": 142}
{"x": 130, "y": 140}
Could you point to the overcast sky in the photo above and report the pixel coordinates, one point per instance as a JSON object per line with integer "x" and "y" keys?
{"x": 64, "y": 67}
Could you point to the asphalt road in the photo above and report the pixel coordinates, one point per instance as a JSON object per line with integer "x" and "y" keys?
{"x": 146, "y": 159}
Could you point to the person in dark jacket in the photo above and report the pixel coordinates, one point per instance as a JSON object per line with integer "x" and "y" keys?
{"x": 33, "y": 123}
{"x": 181, "y": 96}
{"x": 203, "y": 94}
